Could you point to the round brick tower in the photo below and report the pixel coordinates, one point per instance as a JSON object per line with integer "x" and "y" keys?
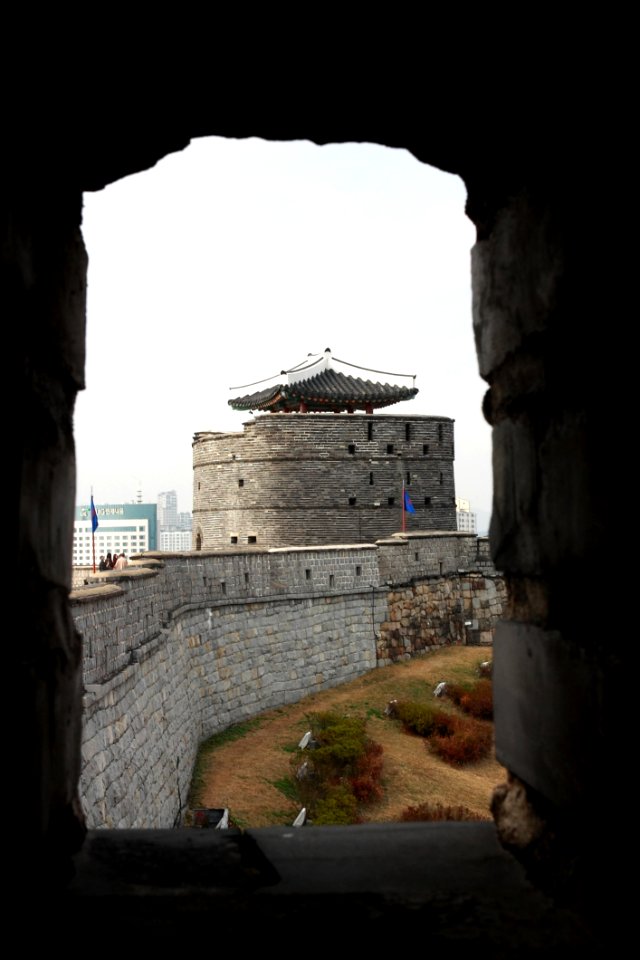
{"x": 300, "y": 479}
{"x": 313, "y": 470}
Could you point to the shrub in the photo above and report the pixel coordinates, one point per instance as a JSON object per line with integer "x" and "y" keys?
{"x": 343, "y": 763}
{"x": 438, "y": 811}
{"x": 365, "y": 783}
{"x": 422, "y": 719}
{"x": 339, "y": 806}
{"x": 470, "y": 740}
{"x": 475, "y": 699}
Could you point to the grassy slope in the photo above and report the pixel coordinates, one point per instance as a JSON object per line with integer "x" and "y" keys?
{"x": 249, "y": 774}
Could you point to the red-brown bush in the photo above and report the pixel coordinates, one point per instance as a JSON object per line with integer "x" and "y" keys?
{"x": 471, "y": 740}
{"x": 476, "y": 700}
{"x": 438, "y": 811}
{"x": 366, "y": 781}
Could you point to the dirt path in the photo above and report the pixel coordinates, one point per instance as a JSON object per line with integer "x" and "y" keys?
{"x": 243, "y": 775}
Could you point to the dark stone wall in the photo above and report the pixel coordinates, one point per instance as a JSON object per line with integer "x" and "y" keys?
{"x": 543, "y": 146}
{"x": 288, "y": 479}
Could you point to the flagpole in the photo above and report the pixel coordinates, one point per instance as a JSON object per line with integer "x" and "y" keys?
{"x": 93, "y": 535}
{"x": 403, "y": 517}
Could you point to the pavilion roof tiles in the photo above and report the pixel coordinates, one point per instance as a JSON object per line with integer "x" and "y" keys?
{"x": 329, "y": 390}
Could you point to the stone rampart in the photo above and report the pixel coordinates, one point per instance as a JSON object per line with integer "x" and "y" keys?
{"x": 178, "y": 647}
{"x": 442, "y": 589}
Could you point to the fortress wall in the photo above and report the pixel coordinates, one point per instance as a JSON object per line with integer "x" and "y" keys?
{"x": 190, "y": 644}
{"x": 215, "y": 667}
{"x": 141, "y": 732}
{"x": 316, "y": 478}
{"x": 440, "y": 611}
{"x": 412, "y": 554}
{"x": 443, "y": 589}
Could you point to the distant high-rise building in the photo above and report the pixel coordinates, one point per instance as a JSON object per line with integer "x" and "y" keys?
{"x": 174, "y": 528}
{"x": 168, "y": 510}
{"x": 175, "y": 541}
{"x": 466, "y": 521}
{"x": 184, "y": 521}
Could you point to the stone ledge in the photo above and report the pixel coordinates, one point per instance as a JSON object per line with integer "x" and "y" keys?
{"x": 433, "y": 534}
{"x": 95, "y": 591}
{"x": 450, "y": 884}
{"x": 323, "y": 548}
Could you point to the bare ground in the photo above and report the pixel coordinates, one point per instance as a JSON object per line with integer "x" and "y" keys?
{"x": 243, "y": 775}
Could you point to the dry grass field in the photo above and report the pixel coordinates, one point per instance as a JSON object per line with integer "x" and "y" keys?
{"x": 243, "y": 774}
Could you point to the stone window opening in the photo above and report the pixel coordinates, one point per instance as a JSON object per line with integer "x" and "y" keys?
{"x": 223, "y": 587}
{"x": 246, "y": 576}
{"x": 241, "y": 482}
{"x": 252, "y": 539}
{"x": 370, "y": 431}
{"x": 408, "y": 477}
{"x": 199, "y": 536}
{"x": 371, "y": 479}
{"x": 352, "y": 501}
{"x": 407, "y": 432}
{"x": 439, "y": 433}
{"x": 358, "y": 570}
{"x": 391, "y": 501}
{"x": 307, "y": 574}
{"x": 352, "y": 448}
{"x": 389, "y": 448}
{"x": 425, "y": 449}
{"x": 427, "y": 501}
{"x": 234, "y": 538}
{"x": 332, "y": 580}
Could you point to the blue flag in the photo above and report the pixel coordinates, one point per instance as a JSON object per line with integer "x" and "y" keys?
{"x": 94, "y": 516}
{"x": 409, "y": 507}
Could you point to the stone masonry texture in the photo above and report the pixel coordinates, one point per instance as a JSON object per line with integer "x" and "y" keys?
{"x": 306, "y": 479}
{"x": 178, "y": 647}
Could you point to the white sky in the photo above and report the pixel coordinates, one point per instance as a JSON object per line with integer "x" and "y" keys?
{"x": 234, "y": 259}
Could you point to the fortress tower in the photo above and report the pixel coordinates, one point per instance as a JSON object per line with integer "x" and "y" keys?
{"x": 312, "y": 469}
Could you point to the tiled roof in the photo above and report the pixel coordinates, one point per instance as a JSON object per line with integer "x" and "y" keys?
{"x": 329, "y": 390}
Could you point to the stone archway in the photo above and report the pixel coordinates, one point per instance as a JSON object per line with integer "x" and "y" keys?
{"x": 536, "y": 276}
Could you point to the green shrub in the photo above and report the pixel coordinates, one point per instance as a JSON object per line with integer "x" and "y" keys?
{"x": 422, "y": 719}
{"x": 339, "y": 806}
{"x": 343, "y": 762}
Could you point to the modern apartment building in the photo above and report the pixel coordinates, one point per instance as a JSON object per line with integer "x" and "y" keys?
{"x": 131, "y": 527}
